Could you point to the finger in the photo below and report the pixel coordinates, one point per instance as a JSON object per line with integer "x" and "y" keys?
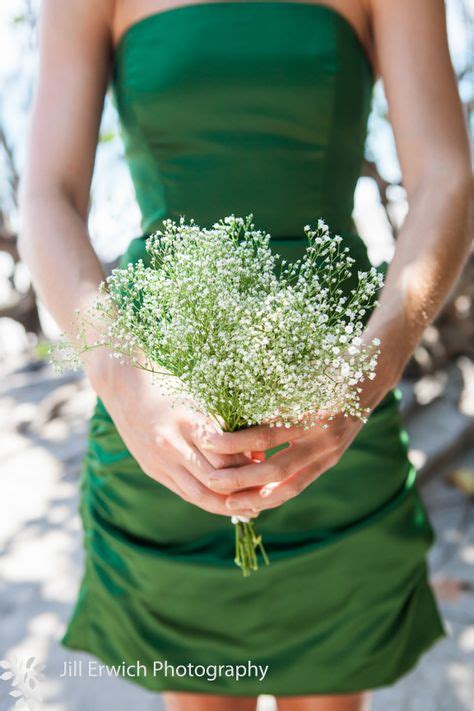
{"x": 169, "y": 482}
{"x": 200, "y": 433}
{"x": 278, "y": 468}
{"x": 271, "y": 496}
{"x": 223, "y": 461}
{"x": 256, "y": 456}
{"x": 199, "y": 495}
{"x": 188, "y": 455}
{"x": 202, "y": 467}
{"x": 258, "y": 438}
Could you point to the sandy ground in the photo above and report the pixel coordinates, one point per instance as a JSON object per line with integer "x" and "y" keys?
{"x": 41, "y": 558}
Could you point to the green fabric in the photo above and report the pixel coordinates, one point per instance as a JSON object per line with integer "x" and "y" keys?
{"x": 253, "y": 107}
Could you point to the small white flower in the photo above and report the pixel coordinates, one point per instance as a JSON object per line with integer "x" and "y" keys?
{"x": 242, "y": 340}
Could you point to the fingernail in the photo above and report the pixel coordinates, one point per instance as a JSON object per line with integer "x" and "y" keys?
{"x": 216, "y": 484}
{"x": 208, "y": 442}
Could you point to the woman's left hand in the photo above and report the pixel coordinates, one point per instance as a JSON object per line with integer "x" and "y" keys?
{"x": 269, "y": 483}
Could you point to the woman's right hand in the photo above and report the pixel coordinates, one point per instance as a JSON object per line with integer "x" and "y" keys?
{"x": 165, "y": 436}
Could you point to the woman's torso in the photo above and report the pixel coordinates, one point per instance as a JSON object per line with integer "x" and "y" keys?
{"x": 244, "y": 107}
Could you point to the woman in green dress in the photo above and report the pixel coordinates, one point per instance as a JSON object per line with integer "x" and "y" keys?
{"x": 250, "y": 107}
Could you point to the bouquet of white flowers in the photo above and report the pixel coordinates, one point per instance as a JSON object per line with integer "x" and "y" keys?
{"x": 218, "y": 316}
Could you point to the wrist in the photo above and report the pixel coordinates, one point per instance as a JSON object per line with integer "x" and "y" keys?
{"x": 388, "y": 372}
{"x": 374, "y": 391}
{"x": 390, "y": 368}
{"x": 101, "y": 370}
{"x": 392, "y": 357}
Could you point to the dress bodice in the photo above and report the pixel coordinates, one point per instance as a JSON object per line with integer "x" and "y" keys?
{"x": 244, "y": 107}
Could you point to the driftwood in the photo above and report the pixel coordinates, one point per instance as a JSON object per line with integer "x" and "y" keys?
{"x": 22, "y": 307}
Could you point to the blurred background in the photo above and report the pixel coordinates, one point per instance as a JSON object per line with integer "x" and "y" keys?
{"x": 43, "y": 417}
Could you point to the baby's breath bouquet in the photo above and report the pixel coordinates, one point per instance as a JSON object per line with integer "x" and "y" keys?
{"x": 220, "y": 317}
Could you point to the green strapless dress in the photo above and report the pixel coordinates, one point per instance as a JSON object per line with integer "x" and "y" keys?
{"x": 261, "y": 107}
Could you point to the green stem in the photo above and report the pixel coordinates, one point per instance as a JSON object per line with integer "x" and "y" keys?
{"x": 246, "y": 539}
{"x": 246, "y": 543}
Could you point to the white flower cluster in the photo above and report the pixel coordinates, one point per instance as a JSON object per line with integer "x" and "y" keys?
{"x": 249, "y": 337}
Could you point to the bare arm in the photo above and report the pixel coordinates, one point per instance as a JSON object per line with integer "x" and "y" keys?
{"x": 54, "y": 243}
{"x": 431, "y": 137}
{"x": 426, "y": 115}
